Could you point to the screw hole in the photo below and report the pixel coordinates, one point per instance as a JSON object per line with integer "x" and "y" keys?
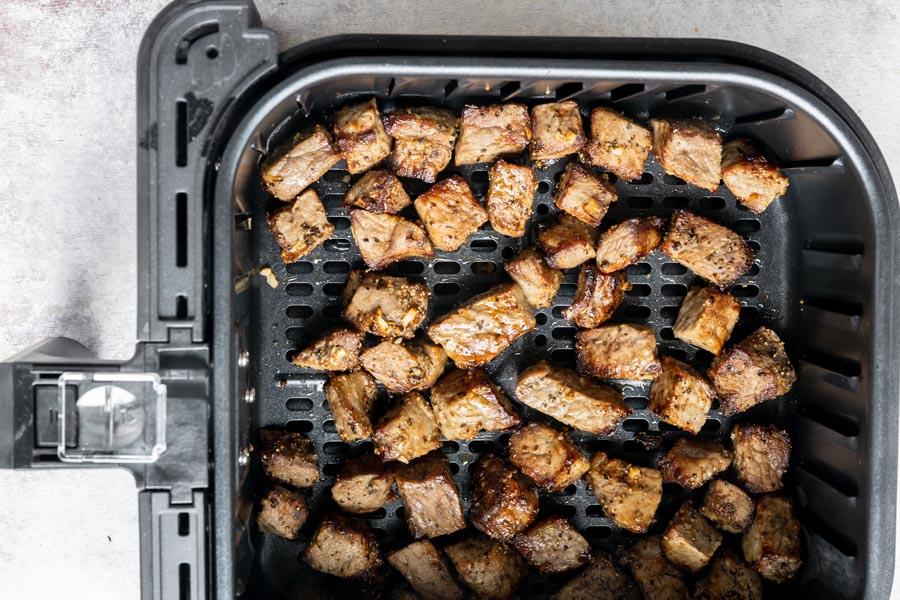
{"x": 212, "y": 52}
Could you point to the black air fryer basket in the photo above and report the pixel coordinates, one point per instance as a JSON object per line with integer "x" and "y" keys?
{"x": 213, "y": 362}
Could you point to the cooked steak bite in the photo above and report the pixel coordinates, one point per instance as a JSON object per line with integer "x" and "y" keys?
{"x": 628, "y": 242}
{"x": 466, "y": 402}
{"x": 602, "y": 579}
{"x": 510, "y": 196}
{"x": 706, "y": 318}
{"x": 344, "y": 547}
{"x": 655, "y": 575}
{"x": 597, "y": 296}
{"x": 384, "y": 305}
{"x": 424, "y": 567}
{"x": 378, "y": 192}
{"x": 450, "y": 213}
{"x": 547, "y": 456}
{"x": 557, "y": 131}
{"x": 337, "y": 350}
{"x": 690, "y": 149}
{"x": 729, "y": 578}
{"x": 430, "y": 497}
{"x": 761, "y": 456}
{"x": 539, "y": 282}
{"x": 300, "y": 226}
{"x": 681, "y": 396}
{"x": 351, "y": 397}
{"x": 407, "y": 430}
{"x": 617, "y": 144}
{"x": 566, "y": 242}
{"x": 577, "y": 401}
{"x": 488, "y": 568}
{"x": 690, "y": 540}
{"x": 618, "y": 352}
{"x": 747, "y": 174}
{"x": 504, "y": 502}
{"x": 282, "y": 512}
{"x": 584, "y": 195}
{"x": 479, "y": 330}
{"x": 553, "y": 545}
{"x": 292, "y": 168}
{"x": 772, "y": 544}
{"x": 727, "y": 506}
{"x": 289, "y": 457}
{"x": 406, "y": 366}
{"x": 360, "y": 136}
{"x": 692, "y": 462}
{"x": 362, "y": 485}
{"x": 629, "y": 494}
{"x": 752, "y": 371}
{"x": 489, "y": 132}
{"x": 715, "y": 253}
{"x": 423, "y": 141}
{"x": 384, "y": 239}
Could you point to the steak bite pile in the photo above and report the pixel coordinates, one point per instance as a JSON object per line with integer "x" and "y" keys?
{"x": 566, "y": 242}
{"x": 539, "y": 281}
{"x": 772, "y": 544}
{"x": 690, "y": 540}
{"x": 618, "y": 352}
{"x": 727, "y": 506}
{"x": 706, "y": 318}
{"x": 430, "y": 497}
{"x": 294, "y": 167}
{"x": 289, "y": 457}
{"x": 384, "y": 239}
{"x": 300, "y": 226}
{"x": 490, "y": 569}
{"x": 450, "y": 213}
{"x": 692, "y": 462}
{"x": 729, "y": 578}
{"x": 628, "y": 242}
{"x": 383, "y": 305}
{"x": 404, "y": 366}
{"x": 557, "y": 131}
{"x": 547, "y": 456}
{"x": 504, "y": 502}
{"x": 362, "y": 484}
{"x": 423, "y": 141}
{"x": 617, "y": 144}
{"x": 584, "y": 195}
{"x": 655, "y": 575}
{"x": 360, "y": 136}
{"x": 426, "y": 570}
{"x": 629, "y": 494}
{"x": 602, "y": 579}
{"x": 690, "y": 149}
{"x": 337, "y": 350}
{"x": 761, "y": 456}
{"x": 344, "y": 547}
{"x": 553, "y": 545}
{"x": 351, "y": 398}
{"x": 712, "y": 251}
{"x": 489, "y": 132}
{"x": 407, "y": 430}
{"x": 510, "y": 196}
{"x": 747, "y": 174}
{"x": 282, "y": 512}
{"x": 597, "y": 297}
{"x": 467, "y": 402}
{"x": 378, "y": 192}
{"x": 681, "y": 396}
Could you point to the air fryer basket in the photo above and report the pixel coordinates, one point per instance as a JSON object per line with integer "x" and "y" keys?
{"x": 822, "y": 252}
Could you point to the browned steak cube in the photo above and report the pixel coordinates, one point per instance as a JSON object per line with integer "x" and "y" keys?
{"x": 715, "y": 253}
{"x": 655, "y": 575}
{"x": 466, "y": 402}
{"x": 729, "y": 578}
{"x": 423, "y": 141}
{"x": 450, "y": 213}
{"x": 479, "y": 330}
{"x": 706, "y": 318}
{"x": 681, "y": 396}
{"x": 378, "y": 192}
{"x": 289, "y": 457}
{"x": 761, "y": 456}
{"x": 360, "y": 136}
{"x": 510, "y": 196}
{"x": 406, "y": 366}
{"x": 362, "y": 485}
{"x": 690, "y": 540}
{"x": 384, "y": 305}
{"x": 617, "y": 144}
{"x": 424, "y": 567}
{"x": 539, "y": 282}
{"x": 629, "y": 494}
{"x": 337, "y": 350}
{"x": 282, "y": 512}
{"x": 553, "y": 545}
{"x": 628, "y": 242}
{"x": 344, "y": 547}
{"x": 753, "y": 371}
{"x": 351, "y": 397}
{"x": 577, "y": 401}
{"x": 488, "y": 568}
{"x": 558, "y": 131}
{"x": 772, "y": 544}
{"x": 618, "y": 352}
{"x": 292, "y": 168}
{"x": 430, "y": 497}
{"x": 547, "y": 456}
{"x": 566, "y": 242}
{"x": 504, "y": 502}
{"x": 384, "y": 239}
{"x": 489, "y": 132}
{"x": 597, "y": 296}
{"x": 692, "y": 462}
{"x": 583, "y": 195}
{"x": 690, "y": 149}
{"x": 747, "y": 174}
{"x": 727, "y": 506}
{"x": 601, "y": 580}
{"x": 300, "y": 226}
{"x": 407, "y": 430}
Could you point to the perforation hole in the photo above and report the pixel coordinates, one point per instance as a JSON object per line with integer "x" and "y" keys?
{"x": 600, "y": 532}
{"x": 298, "y": 334}
{"x": 482, "y": 446}
{"x": 299, "y": 289}
{"x": 454, "y": 468}
{"x": 400, "y": 513}
{"x": 340, "y": 223}
{"x": 483, "y": 268}
{"x": 639, "y": 202}
{"x": 635, "y": 425}
{"x": 331, "y": 469}
{"x": 298, "y": 312}
{"x": 299, "y": 404}
{"x": 673, "y": 269}
{"x": 637, "y": 312}
{"x": 335, "y": 448}
{"x": 563, "y": 355}
{"x": 639, "y": 290}
{"x": 638, "y": 269}
{"x": 669, "y": 312}
{"x": 333, "y": 289}
{"x": 564, "y": 333}
{"x": 450, "y": 447}
{"x": 745, "y": 291}
{"x": 711, "y": 203}
{"x": 749, "y": 313}
{"x": 626, "y": 91}
{"x": 646, "y": 179}
{"x": 299, "y": 268}
{"x": 329, "y": 426}
{"x": 540, "y": 340}
{"x": 446, "y": 268}
{"x": 543, "y": 187}
{"x": 483, "y": 245}
{"x": 672, "y": 180}
{"x": 754, "y": 246}
{"x": 673, "y": 290}
{"x": 336, "y": 268}
{"x": 337, "y": 175}
{"x": 337, "y": 245}
{"x": 479, "y": 177}
{"x": 508, "y": 253}
{"x": 542, "y": 209}
{"x": 667, "y": 334}
{"x": 637, "y": 402}
{"x": 746, "y": 226}
{"x": 410, "y": 267}
{"x": 446, "y": 289}
{"x": 711, "y": 426}
{"x": 677, "y": 353}
{"x": 540, "y": 318}
{"x": 675, "y": 202}
{"x": 299, "y": 426}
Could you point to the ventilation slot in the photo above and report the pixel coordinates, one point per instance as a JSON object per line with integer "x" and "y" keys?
{"x": 673, "y": 269}
{"x": 844, "y": 307}
{"x": 299, "y": 289}
{"x": 638, "y": 269}
{"x": 299, "y": 312}
{"x": 568, "y": 90}
{"x": 564, "y": 333}
{"x": 838, "y": 364}
{"x": 711, "y": 203}
{"x": 299, "y": 268}
{"x": 446, "y": 268}
{"x": 672, "y": 180}
{"x": 450, "y": 87}
{"x": 184, "y": 524}
{"x": 843, "y": 425}
{"x": 411, "y": 267}
{"x": 760, "y": 117}
{"x": 816, "y": 164}
{"x": 832, "y": 477}
{"x": 685, "y": 92}
{"x": 510, "y": 89}
{"x": 836, "y": 244}
{"x": 483, "y": 245}
{"x": 675, "y": 202}
{"x": 181, "y": 230}
{"x": 184, "y": 581}
{"x": 181, "y": 133}
{"x": 181, "y": 307}
{"x": 823, "y": 529}
{"x": 299, "y": 404}
{"x": 626, "y": 91}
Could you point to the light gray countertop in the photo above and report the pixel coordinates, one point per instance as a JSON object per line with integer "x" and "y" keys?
{"x": 67, "y": 194}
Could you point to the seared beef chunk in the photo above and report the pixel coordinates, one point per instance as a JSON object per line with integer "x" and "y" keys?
{"x": 761, "y": 456}
{"x": 300, "y": 226}
{"x": 384, "y": 239}
{"x": 490, "y": 569}
{"x": 282, "y": 512}
{"x": 383, "y": 305}
{"x": 547, "y": 456}
{"x": 628, "y": 242}
{"x": 729, "y": 578}
{"x": 489, "y": 132}
{"x": 617, "y": 144}
{"x": 553, "y": 545}
{"x": 601, "y": 580}
{"x": 715, "y": 253}
{"x": 690, "y": 149}
{"x": 351, "y": 397}
{"x": 539, "y": 282}
{"x": 362, "y": 485}
{"x": 450, "y": 213}
{"x": 510, "y": 196}
{"x": 426, "y": 570}
{"x": 289, "y": 457}
{"x": 772, "y": 544}
{"x": 706, "y": 318}
{"x": 690, "y": 540}
{"x": 681, "y": 396}
{"x": 655, "y": 575}
{"x": 344, "y": 547}
{"x": 597, "y": 297}
{"x": 629, "y": 494}
{"x": 584, "y": 195}
{"x": 293, "y": 167}
{"x": 557, "y": 131}
{"x": 566, "y": 242}
{"x": 423, "y": 141}
{"x": 747, "y": 174}
{"x": 360, "y": 136}
{"x": 430, "y": 497}
{"x": 407, "y": 431}
{"x": 727, "y": 506}
{"x": 378, "y": 192}
{"x": 504, "y": 502}
{"x": 404, "y": 366}
{"x": 692, "y": 462}
{"x": 337, "y": 350}
{"x": 466, "y": 402}
{"x": 618, "y": 352}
